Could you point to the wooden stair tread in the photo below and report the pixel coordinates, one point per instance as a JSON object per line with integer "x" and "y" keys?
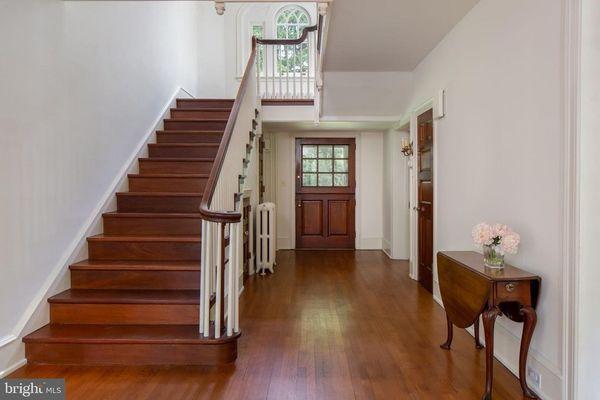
{"x": 114, "y": 214}
{"x": 184, "y": 145}
{"x": 203, "y": 109}
{"x": 168, "y": 334}
{"x": 186, "y": 176}
{"x": 192, "y": 132}
{"x": 197, "y": 119}
{"x": 132, "y": 265}
{"x": 166, "y": 238}
{"x": 178, "y": 159}
{"x": 120, "y": 296}
{"x": 161, "y": 194}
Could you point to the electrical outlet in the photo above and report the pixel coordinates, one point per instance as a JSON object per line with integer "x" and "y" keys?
{"x": 534, "y": 377}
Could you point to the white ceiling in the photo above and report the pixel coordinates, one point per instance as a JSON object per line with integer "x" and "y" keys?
{"x": 388, "y": 35}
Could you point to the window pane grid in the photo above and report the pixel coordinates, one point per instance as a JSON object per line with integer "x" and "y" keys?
{"x": 325, "y": 165}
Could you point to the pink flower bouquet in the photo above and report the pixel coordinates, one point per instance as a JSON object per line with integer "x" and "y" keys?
{"x": 497, "y": 240}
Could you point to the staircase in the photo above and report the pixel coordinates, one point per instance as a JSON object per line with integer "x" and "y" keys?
{"x": 136, "y": 300}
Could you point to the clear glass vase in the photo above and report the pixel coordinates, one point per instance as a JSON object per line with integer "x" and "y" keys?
{"x": 492, "y": 257}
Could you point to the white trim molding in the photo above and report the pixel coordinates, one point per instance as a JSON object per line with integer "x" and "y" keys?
{"x": 5, "y": 340}
{"x": 571, "y": 187}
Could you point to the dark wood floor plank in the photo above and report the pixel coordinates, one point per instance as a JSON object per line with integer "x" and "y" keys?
{"x": 326, "y": 325}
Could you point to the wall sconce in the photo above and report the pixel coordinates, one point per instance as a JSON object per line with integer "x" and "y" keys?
{"x": 407, "y": 147}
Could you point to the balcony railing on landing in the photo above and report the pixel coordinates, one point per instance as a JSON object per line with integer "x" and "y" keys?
{"x": 289, "y": 69}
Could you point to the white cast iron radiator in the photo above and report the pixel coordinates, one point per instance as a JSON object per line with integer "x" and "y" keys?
{"x": 266, "y": 246}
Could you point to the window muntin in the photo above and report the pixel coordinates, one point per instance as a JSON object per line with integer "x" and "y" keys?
{"x": 289, "y": 24}
{"x": 325, "y": 165}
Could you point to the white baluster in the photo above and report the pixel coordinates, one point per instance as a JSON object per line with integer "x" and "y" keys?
{"x": 294, "y": 71}
{"x": 301, "y": 65}
{"x": 287, "y": 71}
{"x": 274, "y": 72}
{"x": 206, "y": 287}
{"x": 237, "y": 271}
{"x": 202, "y": 311}
{"x": 230, "y": 272}
{"x": 219, "y": 282}
{"x": 279, "y": 48}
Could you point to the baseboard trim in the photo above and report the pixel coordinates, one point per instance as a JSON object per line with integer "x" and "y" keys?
{"x": 4, "y": 340}
{"x": 13, "y": 368}
{"x": 72, "y": 251}
{"x": 369, "y": 243}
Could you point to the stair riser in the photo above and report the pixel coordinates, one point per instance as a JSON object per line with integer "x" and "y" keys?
{"x": 200, "y": 114}
{"x": 158, "y": 204}
{"x": 200, "y": 103}
{"x": 183, "y": 152}
{"x": 131, "y": 354}
{"x": 184, "y": 125}
{"x": 161, "y": 251}
{"x": 151, "y": 280}
{"x": 172, "y": 137}
{"x": 152, "y": 226}
{"x": 178, "y": 185}
{"x": 175, "y": 167}
{"x": 124, "y": 314}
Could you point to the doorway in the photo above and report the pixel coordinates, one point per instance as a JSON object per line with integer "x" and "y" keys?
{"x": 425, "y": 198}
{"x": 325, "y": 193}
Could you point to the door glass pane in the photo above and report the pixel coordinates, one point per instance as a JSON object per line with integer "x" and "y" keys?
{"x": 309, "y": 179}
{"x": 309, "y": 151}
{"x": 340, "y": 151}
{"x": 325, "y": 151}
{"x": 340, "y": 165}
{"x": 309, "y": 165}
{"x": 340, "y": 180}
{"x": 325, "y": 165}
{"x": 325, "y": 180}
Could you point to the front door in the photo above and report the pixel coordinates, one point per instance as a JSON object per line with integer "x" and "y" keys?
{"x": 425, "y": 198}
{"x": 325, "y": 185}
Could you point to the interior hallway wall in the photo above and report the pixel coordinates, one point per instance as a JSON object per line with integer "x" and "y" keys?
{"x": 499, "y": 153}
{"x": 82, "y": 84}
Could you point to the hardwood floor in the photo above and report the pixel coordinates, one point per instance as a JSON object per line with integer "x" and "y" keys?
{"x": 326, "y": 325}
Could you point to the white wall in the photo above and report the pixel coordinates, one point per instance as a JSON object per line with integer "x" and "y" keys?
{"x": 82, "y": 84}
{"x": 588, "y": 351}
{"x": 396, "y": 235}
{"x": 499, "y": 152}
{"x": 369, "y": 186}
{"x": 365, "y": 95}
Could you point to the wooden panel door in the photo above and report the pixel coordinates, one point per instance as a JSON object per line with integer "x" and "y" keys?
{"x": 325, "y": 186}
{"x": 425, "y": 198}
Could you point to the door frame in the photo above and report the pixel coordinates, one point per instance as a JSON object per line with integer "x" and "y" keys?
{"x": 357, "y": 191}
{"x": 337, "y": 192}
{"x": 414, "y": 193}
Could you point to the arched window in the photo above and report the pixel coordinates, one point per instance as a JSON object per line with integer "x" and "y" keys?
{"x": 289, "y": 23}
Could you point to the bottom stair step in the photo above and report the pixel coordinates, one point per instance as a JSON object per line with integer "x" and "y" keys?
{"x": 127, "y": 345}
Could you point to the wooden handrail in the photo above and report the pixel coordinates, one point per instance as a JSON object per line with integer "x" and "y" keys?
{"x": 319, "y": 32}
{"x": 205, "y": 212}
{"x": 301, "y": 39}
